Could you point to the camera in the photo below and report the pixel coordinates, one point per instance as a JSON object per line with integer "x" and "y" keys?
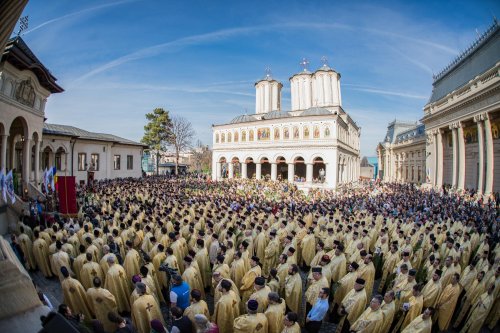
{"x": 167, "y": 269}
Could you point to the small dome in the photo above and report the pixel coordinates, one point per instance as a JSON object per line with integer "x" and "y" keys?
{"x": 315, "y": 112}
{"x": 244, "y": 118}
{"x": 325, "y": 68}
{"x": 276, "y": 115}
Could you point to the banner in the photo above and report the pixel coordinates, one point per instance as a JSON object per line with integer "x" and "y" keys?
{"x": 66, "y": 190}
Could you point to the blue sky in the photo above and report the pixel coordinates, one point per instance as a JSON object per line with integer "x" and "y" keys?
{"x": 118, "y": 60}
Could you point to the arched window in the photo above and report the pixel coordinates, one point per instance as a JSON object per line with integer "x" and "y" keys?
{"x": 296, "y": 134}
{"x": 327, "y": 132}
{"x": 223, "y": 138}
{"x": 216, "y": 137}
{"x": 276, "y": 134}
{"x": 286, "y": 133}
{"x": 250, "y": 135}
{"x": 229, "y": 137}
{"x": 236, "y": 136}
{"x": 306, "y": 132}
{"x": 243, "y": 136}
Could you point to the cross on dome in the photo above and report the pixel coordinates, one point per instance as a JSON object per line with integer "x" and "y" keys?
{"x": 304, "y": 64}
{"x": 268, "y": 73}
{"x": 324, "y": 60}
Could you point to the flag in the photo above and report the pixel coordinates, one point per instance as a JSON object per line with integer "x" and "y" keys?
{"x": 53, "y": 172}
{"x": 44, "y": 179}
{"x": 2, "y": 186}
{"x": 9, "y": 187}
{"x": 47, "y": 179}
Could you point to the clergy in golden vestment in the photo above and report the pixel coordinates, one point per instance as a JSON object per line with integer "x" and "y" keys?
{"x": 282, "y": 269}
{"x": 118, "y": 284}
{"x": 248, "y": 280}
{"x": 274, "y": 282}
{"x": 318, "y": 282}
{"x": 237, "y": 269}
{"x": 79, "y": 261}
{"x": 308, "y": 246}
{"x": 338, "y": 263}
{"x": 367, "y": 273}
{"x": 227, "y": 308}
{"x": 27, "y": 247}
{"x": 371, "y": 320}
{"x": 203, "y": 261}
{"x": 102, "y": 302}
{"x": 89, "y": 271}
{"x": 197, "y": 306}
{"x": 60, "y": 259}
{"x": 104, "y": 260}
{"x": 132, "y": 261}
{"x": 275, "y": 313}
{"x": 293, "y": 289}
{"x": 346, "y": 283}
{"x": 390, "y": 261}
{"x": 261, "y": 293}
{"x": 445, "y": 305}
{"x": 74, "y": 295}
{"x": 388, "y": 309}
{"x": 217, "y": 277}
{"x": 253, "y": 321}
{"x": 41, "y": 254}
{"x": 158, "y": 260}
{"x": 479, "y": 311}
{"x": 192, "y": 276}
{"x": 432, "y": 289}
{"x": 412, "y": 308}
{"x": 271, "y": 253}
{"x": 290, "y": 324}
{"x": 145, "y": 309}
{"x": 421, "y": 324}
{"x": 352, "y": 306}
{"x": 472, "y": 294}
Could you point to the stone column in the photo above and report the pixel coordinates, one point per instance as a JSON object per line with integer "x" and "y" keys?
{"x": 12, "y": 152}
{"x": 488, "y": 187}
{"x": 26, "y": 162}
{"x": 480, "y": 142}
{"x": 258, "y": 170}
{"x": 3, "y": 154}
{"x": 433, "y": 158}
{"x": 230, "y": 167}
{"x": 291, "y": 172}
{"x": 439, "y": 158}
{"x": 461, "y": 157}
{"x": 274, "y": 171}
{"x": 37, "y": 162}
{"x": 309, "y": 173}
{"x": 219, "y": 170}
{"x": 455, "y": 155}
{"x": 244, "y": 170}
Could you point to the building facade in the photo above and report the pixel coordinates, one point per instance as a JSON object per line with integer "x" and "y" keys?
{"x": 28, "y": 145}
{"x": 315, "y": 144}
{"x": 401, "y": 156}
{"x": 462, "y": 119}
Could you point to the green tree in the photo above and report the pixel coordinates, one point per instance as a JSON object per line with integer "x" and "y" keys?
{"x": 158, "y": 132}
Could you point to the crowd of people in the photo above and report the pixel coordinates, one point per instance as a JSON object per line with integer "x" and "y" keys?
{"x": 187, "y": 254}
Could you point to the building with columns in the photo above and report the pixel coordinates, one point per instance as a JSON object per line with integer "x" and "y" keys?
{"x": 462, "y": 119}
{"x": 315, "y": 144}
{"x": 401, "y": 156}
{"x": 29, "y": 145}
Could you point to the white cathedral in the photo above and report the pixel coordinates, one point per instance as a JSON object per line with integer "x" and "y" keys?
{"x": 315, "y": 144}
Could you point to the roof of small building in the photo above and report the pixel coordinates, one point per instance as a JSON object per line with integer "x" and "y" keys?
{"x": 412, "y": 133}
{"x": 482, "y": 55}
{"x": 397, "y": 127}
{"x": 20, "y": 56}
{"x": 66, "y": 130}
{"x": 244, "y": 118}
{"x": 276, "y": 115}
{"x": 315, "y": 111}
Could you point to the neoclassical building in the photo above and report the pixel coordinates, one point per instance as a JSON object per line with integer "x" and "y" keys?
{"x": 316, "y": 143}
{"x": 401, "y": 156}
{"x": 462, "y": 119}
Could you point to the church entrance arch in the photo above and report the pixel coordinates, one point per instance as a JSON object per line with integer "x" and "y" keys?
{"x": 282, "y": 168}
{"x": 18, "y": 152}
{"x": 223, "y": 167}
{"x": 265, "y": 168}
{"x": 251, "y": 168}
{"x": 300, "y": 169}
{"x": 319, "y": 170}
{"x": 236, "y": 167}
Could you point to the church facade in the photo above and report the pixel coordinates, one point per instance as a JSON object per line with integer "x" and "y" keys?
{"x": 315, "y": 144}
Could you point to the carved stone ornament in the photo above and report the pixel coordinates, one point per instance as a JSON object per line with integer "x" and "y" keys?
{"x": 25, "y": 93}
